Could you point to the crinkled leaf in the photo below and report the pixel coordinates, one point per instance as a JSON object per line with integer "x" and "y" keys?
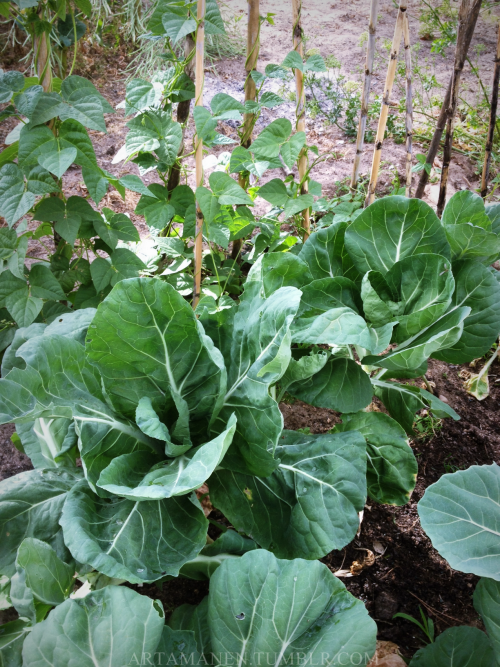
{"x": 259, "y": 605}
{"x": 109, "y": 626}
{"x": 309, "y": 504}
{"x": 136, "y": 541}
{"x": 14, "y": 201}
{"x": 391, "y": 471}
{"x": 391, "y": 229}
{"x": 460, "y": 513}
{"x": 30, "y": 506}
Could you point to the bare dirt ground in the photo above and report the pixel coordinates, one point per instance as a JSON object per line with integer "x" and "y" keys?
{"x": 408, "y": 573}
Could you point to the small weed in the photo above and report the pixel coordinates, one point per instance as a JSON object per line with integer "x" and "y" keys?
{"x": 427, "y": 624}
{"x": 426, "y": 426}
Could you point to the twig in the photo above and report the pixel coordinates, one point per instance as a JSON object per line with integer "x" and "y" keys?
{"x": 409, "y": 103}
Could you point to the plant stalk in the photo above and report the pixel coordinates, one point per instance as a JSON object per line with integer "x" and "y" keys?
{"x": 199, "y": 81}
{"x": 365, "y": 95}
{"x": 493, "y": 117}
{"x": 386, "y": 101}
{"x": 409, "y": 104}
{"x": 463, "y": 17}
{"x": 253, "y": 47}
{"x": 298, "y": 46}
{"x": 42, "y": 61}
{"x": 183, "y": 108}
{"x": 443, "y": 115}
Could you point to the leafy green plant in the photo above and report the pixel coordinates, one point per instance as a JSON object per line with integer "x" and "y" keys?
{"x": 460, "y": 515}
{"x": 426, "y": 624}
{"x": 52, "y": 137}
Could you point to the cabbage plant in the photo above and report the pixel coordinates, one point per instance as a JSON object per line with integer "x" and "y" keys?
{"x": 460, "y": 513}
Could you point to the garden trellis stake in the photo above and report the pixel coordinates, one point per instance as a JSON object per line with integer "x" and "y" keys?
{"x": 409, "y": 103}
{"x": 253, "y": 46}
{"x": 301, "y": 107}
{"x": 443, "y": 115}
{"x": 463, "y": 15}
{"x": 386, "y": 101}
{"x": 493, "y": 117}
{"x": 200, "y": 62}
{"x": 365, "y": 95}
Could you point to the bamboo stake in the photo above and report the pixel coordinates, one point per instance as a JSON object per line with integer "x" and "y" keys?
{"x": 409, "y": 104}
{"x": 463, "y": 16}
{"x": 253, "y": 47}
{"x": 199, "y": 81}
{"x": 384, "y": 111}
{"x": 365, "y": 95}
{"x": 42, "y": 61}
{"x": 301, "y": 108}
{"x": 183, "y": 108}
{"x": 443, "y": 115}
{"x": 493, "y": 118}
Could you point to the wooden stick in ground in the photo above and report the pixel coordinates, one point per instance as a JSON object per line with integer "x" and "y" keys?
{"x": 493, "y": 118}
{"x": 365, "y": 95}
{"x": 460, "y": 56}
{"x": 384, "y": 111}
{"x": 301, "y": 107}
{"x": 183, "y": 108}
{"x": 409, "y": 103}
{"x": 443, "y": 115}
{"x": 199, "y": 81}
{"x": 42, "y": 61}
{"x": 253, "y": 46}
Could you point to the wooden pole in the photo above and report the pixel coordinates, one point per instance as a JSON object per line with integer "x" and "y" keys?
{"x": 365, "y": 95}
{"x": 463, "y": 16}
{"x": 409, "y": 104}
{"x": 42, "y": 60}
{"x": 199, "y": 81}
{"x": 443, "y": 115}
{"x": 493, "y": 118}
{"x": 384, "y": 111}
{"x": 183, "y": 108}
{"x": 301, "y": 107}
{"x": 253, "y": 47}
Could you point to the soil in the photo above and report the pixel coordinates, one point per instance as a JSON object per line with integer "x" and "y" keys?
{"x": 407, "y": 572}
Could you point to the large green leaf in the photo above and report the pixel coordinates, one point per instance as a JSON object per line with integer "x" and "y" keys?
{"x": 177, "y": 24}
{"x": 59, "y": 382}
{"x": 58, "y": 161}
{"x": 269, "y": 141}
{"x": 12, "y": 636}
{"x": 280, "y": 269}
{"x": 136, "y": 541}
{"x": 466, "y": 207}
{"x": 33, "y": 143}
{"x": 44, "y": 284}
{"x": 309, "y": 505}
{"x": 461, "y": 515}
{"x": 30, "y": 506}
{"x": 131, "y": 475}
{"x": 154, "y": 131}
{"x": 478, "y": 289}
{"x": 470, "y": 242}
{"x": 10, "y": 82}
{"x": 328, "y": 293}
{"x": 84, "y": 103}
{"x": 391, "y": 229}
{"x": 415, "y": 351}
{"x": 255, "y": 343}
{"x": 338, "y": 326}
{"x": 424, "y": 284}
{"x": 108, "y": 627}
{"x": 146, "y": 341}
{"x": 14, "y": 201}
{"x": 49, "y": 578}
{"x": 456, "y": 647}
{"x": 391, "y": 466}
{"x": 227, "y": 190}
{"x": 73, "y": 134}
{"x": 487, "y": 603}
{"x": 141, "y": 95}
{"x": 259, "y": 605}
{"x": 326, "y": 255}
{"x": 340, "y": 385}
